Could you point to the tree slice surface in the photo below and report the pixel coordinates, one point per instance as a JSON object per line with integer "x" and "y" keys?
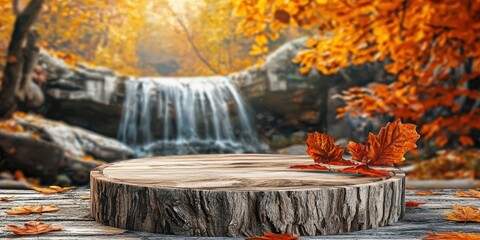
{"x": 241, "y": 195}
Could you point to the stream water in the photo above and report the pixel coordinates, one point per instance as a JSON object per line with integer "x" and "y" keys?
{"x": 170, "y": 116}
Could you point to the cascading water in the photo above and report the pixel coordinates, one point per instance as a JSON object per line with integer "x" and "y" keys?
{"x": 164, "y": 116}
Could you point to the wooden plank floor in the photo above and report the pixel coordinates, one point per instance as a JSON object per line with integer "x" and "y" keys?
{"x": 74, "y": 217}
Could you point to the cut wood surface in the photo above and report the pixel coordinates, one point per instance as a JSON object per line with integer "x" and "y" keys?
{"x": 77, "y": 223}
{"x": 241, "y": 195}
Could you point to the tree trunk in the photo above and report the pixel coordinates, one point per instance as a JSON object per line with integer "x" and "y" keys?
{"x": 241, "y": 195}
{"x": 11, "y": 82}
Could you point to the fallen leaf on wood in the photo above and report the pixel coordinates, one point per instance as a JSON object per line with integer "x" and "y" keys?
{"x": 452, "y": 236}
{"x": 414, "y": 204}
{"x": 425, "y": 193}
{"x": 357, "y": 151}
{"x": 312, "y": 167}
{"x": 463, "y": 214}
{"x": 33, "y": 228}
{"x": 52, "y": 189}
{"x": 392, "y": 142}
{"x": 274, "y": 236}
{"x": 471, "y": 193}
{"x": 322, "y": 148}
{"x": 6, "y": 199}
{"x": 24, "y": 210}
{"x": 87, "y": 197}
{"x": 365, "y": 170}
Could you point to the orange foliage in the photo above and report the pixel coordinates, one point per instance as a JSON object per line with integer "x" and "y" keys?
{"x": 452, "y": 236}
{"x": 458, "y": 164}
{"x": 430, "y": 46}
{"x": 471, "y": 193}
{"x": 463, "y": 214}
{"x": 25, "y": 210}
{"x": 425, "y": 193}
{"x": 414, "y": 204}
{"x": 5, "y": 199}
{"x": 52, "y": 189}
{"x": 322, "y": 149}
{"x": 275, "y": 236}
{"x": 33, "y": 228}
{"x": 392, "y": 142}
{"x": 385, "y": 149}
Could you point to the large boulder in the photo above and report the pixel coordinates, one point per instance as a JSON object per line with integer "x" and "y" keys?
{"x": 287, "y": 101}
{"x": 46, "y": 149}
{"x": 88, "y": 97}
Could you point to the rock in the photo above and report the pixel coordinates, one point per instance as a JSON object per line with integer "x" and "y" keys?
{"x": 6, "y": 175}
{"x": 13, "y": 184}
{"x": 298, "y": 137}
{"x": 76, "y": 141}
{"x": 279, "y": 141}
{"x": 35, "y": 157}
{"x": 298, "y": 149}
{"x": 84, "y": 96}
{"x": 44, "y": 148}
{"x": 63, "y": 180}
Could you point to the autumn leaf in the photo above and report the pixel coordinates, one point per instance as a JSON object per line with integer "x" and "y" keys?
{"x": 471, "y": 193}
{"x": 33, "y": 228}
{"x": 322, "y": 149}
{"x": 425, "y": 193}
{"x": 365, "y": 170}
{"x": 6, "y": 199}
{"x": 414, "y": 204}
{"x": 274, "y": 236}
{"x": 452, "y": 236}
{"x": 12, "y": 59}
{"x": 463, "y": 214}
{"x": 25, "y": 210}
{"x": 52, "y": 189}
{"x": 393, "y": 141}
{"x": 311, "y": 167}
{"x": 87, "y": 197}
{"x": 282, "y": 16}
{"x": 356, "y": 150}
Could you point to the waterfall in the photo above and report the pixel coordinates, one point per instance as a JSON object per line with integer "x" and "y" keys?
{"x": 164, "y": 116}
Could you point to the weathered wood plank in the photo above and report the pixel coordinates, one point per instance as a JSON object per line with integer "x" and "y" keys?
{"x": 417, "y": 221}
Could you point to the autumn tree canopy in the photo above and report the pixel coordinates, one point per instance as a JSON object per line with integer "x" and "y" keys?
{"x": 432, "y": 47}
{"x": 141, "y": 37}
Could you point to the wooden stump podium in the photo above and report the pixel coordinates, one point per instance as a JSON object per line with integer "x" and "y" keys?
{"x": 241, "y": 195}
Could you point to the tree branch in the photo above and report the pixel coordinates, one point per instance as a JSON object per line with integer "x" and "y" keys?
{"x": 17, "y": 7}
{"x": 190, "y": 40}
{"x": 15, "y": 59}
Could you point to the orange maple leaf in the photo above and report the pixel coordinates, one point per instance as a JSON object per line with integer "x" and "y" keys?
{"x": 471, "y": 193}
{"x": 86, "y": 197}
{"x": 311, "y": 167}
{"x": 425, "y": 193}
{"x": 365, "y": 170}
{"x": 414, "y": 204}
{"x": 5, "y": 199}
{"x": 52, "y": 189}
{"x": 274, "y": 236}
{"x": 357, "y": 151}
{"x": 463, "y": 214}
{"x": 392, "y": 142}
{"x": 452, "y": 236}
{"x": 322, "y": 149}
{"x": 24, "y": 210}
{"x": 33, "y": 228}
